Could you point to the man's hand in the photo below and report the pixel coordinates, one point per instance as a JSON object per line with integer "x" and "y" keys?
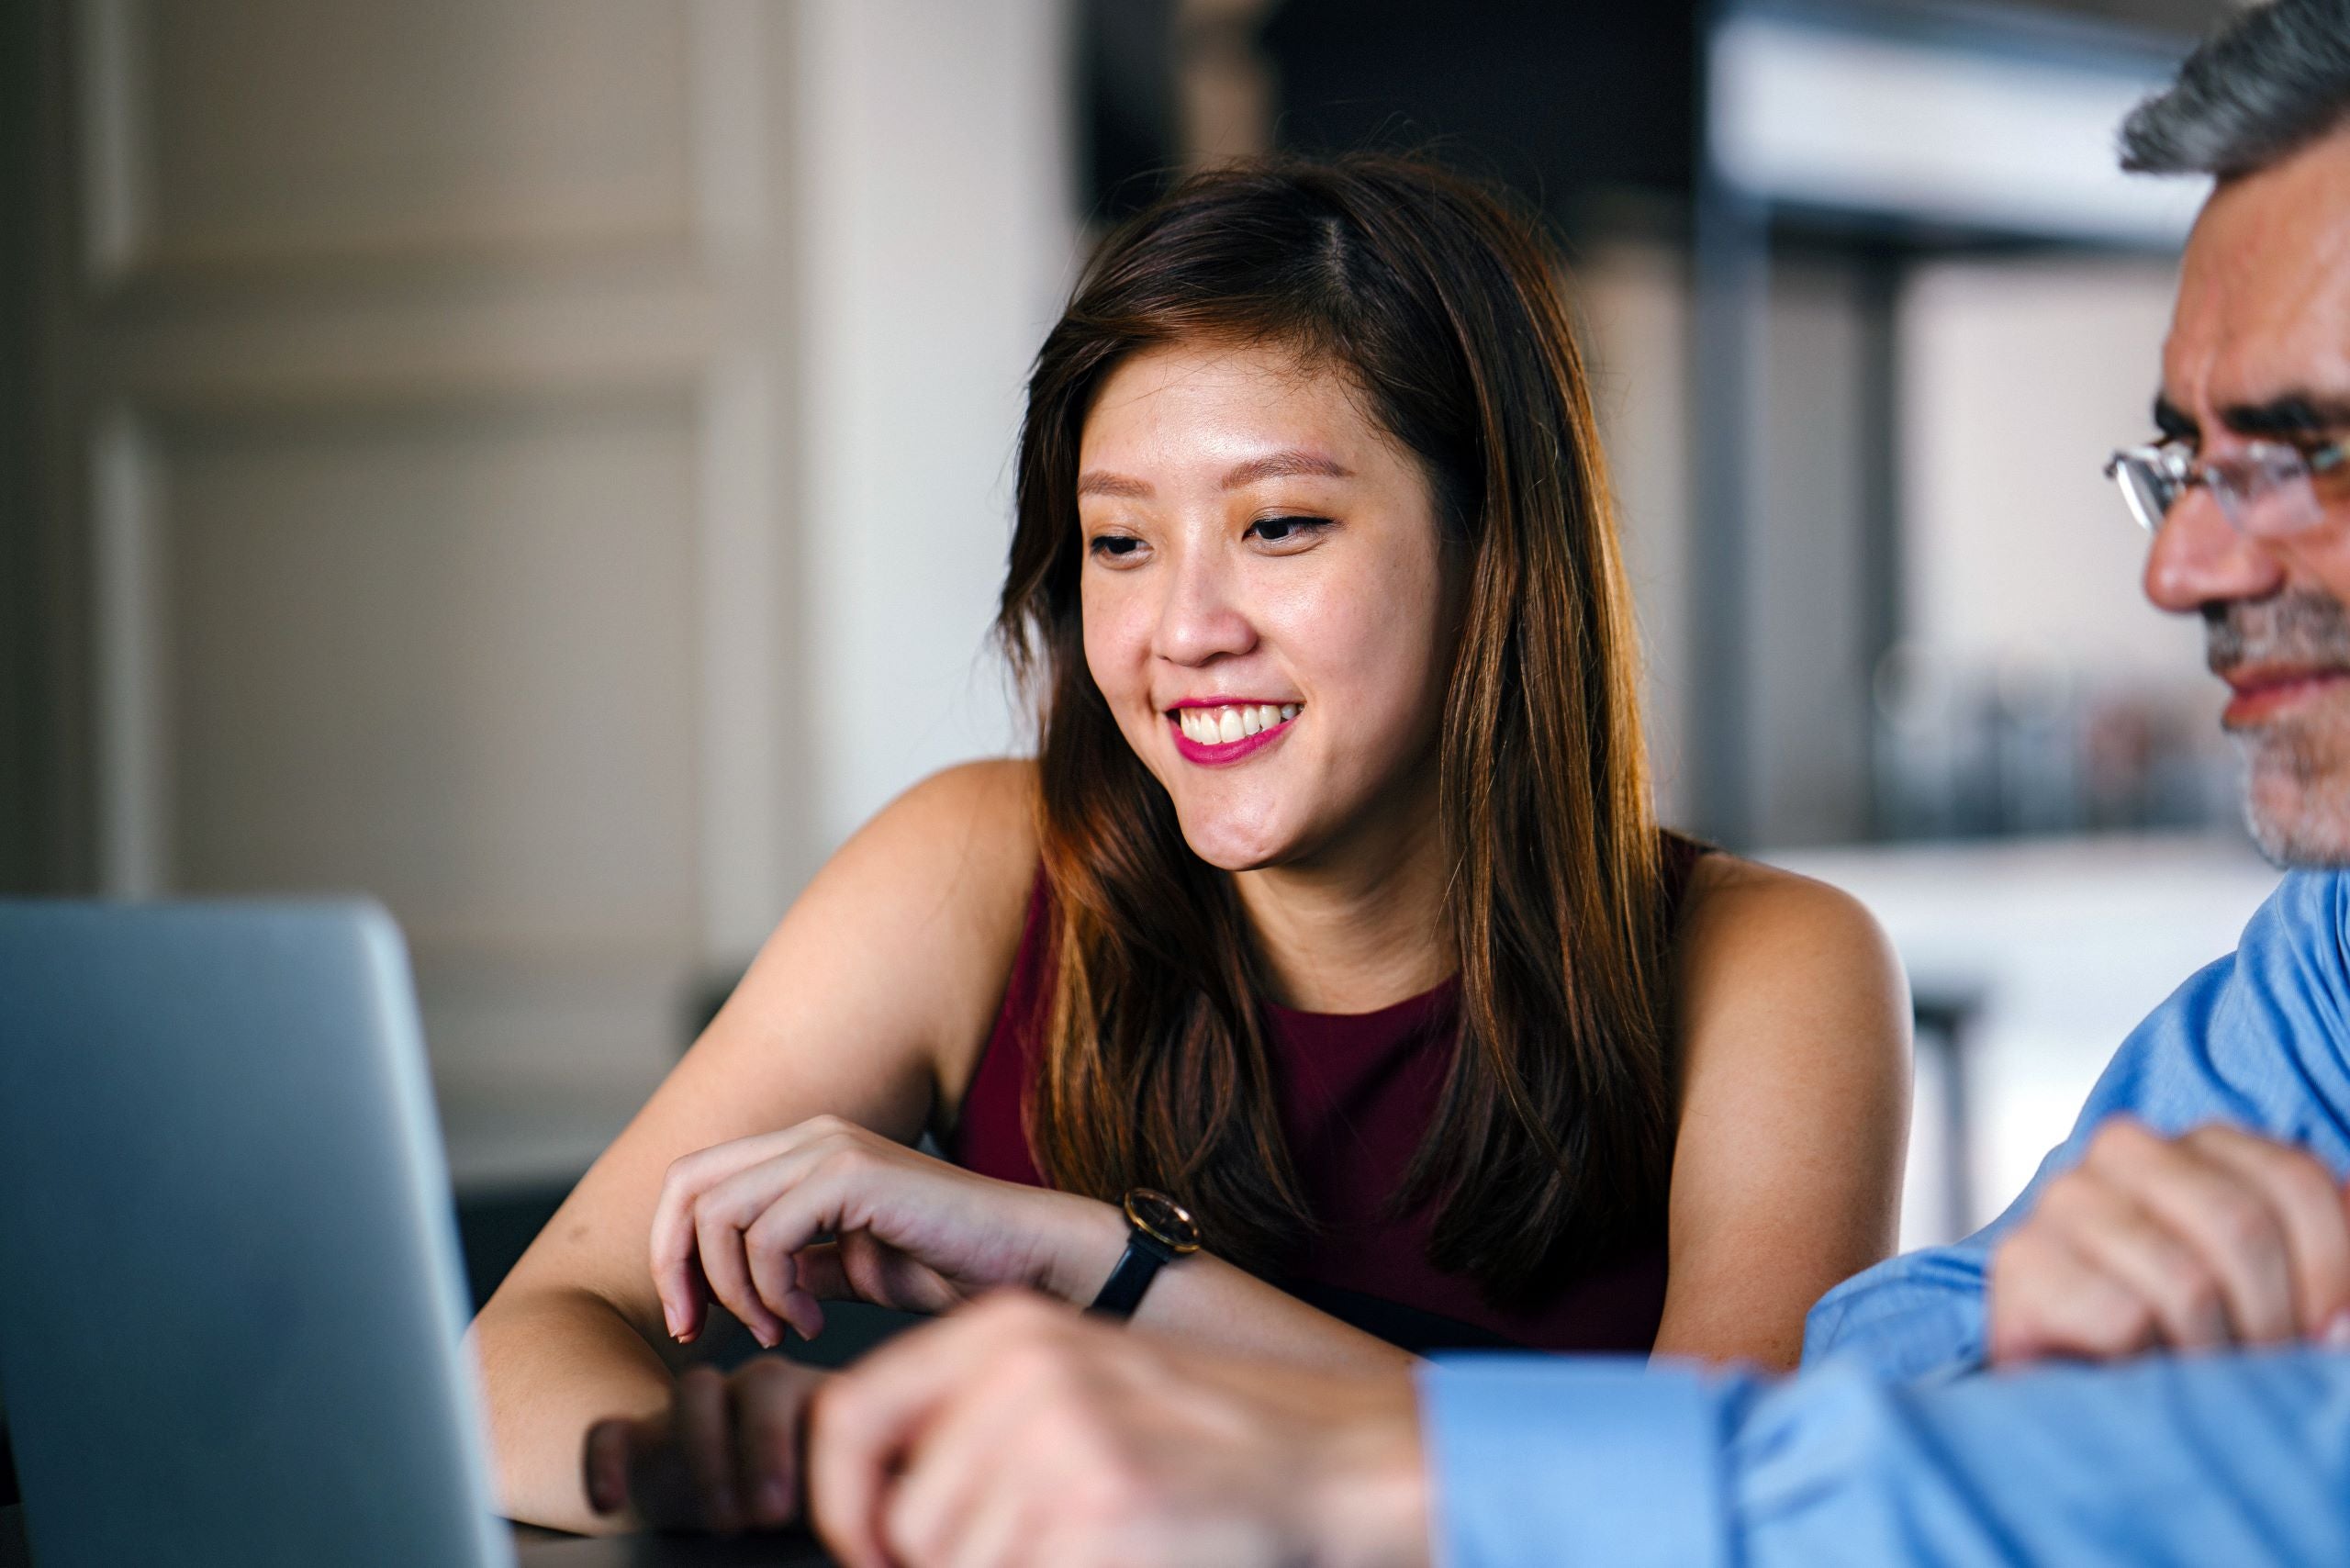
{"x": 1017, "y": 1431}
{"x": 724, "y": 1457}
{"x": 2214, "y": 1237}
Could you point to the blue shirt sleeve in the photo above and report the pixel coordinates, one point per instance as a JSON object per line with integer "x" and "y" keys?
{"x": 2256, "y": 1039}
{"x": 2240, "y": 1458}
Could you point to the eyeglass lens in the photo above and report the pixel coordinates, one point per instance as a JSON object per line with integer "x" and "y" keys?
{"x": 2264, "y": 492}
{"x": 2149, "y": 495}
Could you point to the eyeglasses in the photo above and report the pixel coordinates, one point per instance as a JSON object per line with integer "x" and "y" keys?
{"x": 2266, "y": 488}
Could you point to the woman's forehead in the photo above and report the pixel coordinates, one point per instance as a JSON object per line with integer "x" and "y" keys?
{"x": 1187, "y": 404}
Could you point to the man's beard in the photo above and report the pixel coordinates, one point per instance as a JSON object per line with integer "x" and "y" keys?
{"x": 2296, "y": 797}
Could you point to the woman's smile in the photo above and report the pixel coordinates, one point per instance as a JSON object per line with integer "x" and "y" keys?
{"x": 1214, "y": 730}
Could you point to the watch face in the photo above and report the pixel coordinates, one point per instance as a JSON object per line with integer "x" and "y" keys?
{"x": 1164, "y": 1218}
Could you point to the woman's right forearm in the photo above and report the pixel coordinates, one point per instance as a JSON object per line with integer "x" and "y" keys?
{"x": 553, "y": 1363}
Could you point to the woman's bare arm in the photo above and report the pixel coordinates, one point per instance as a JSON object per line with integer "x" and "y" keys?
{"x": 1793, "y": 1018}
{"x": 869, "y": 1002}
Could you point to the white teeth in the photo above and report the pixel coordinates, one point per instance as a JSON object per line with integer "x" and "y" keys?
{"x": 1221, "y": 726}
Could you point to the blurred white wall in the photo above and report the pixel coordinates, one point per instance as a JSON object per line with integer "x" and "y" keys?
{"x": 2017, "y": 378}
{"x": 937, "y": 241}
{"x": 1632, "y": 306}
{"x": 1807, "y": 588}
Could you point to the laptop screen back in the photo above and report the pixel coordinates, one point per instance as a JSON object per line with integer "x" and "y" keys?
{"x": 230, "y": 1304}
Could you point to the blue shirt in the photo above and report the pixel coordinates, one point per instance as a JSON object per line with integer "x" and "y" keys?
{"x": 1882, "y": 1451}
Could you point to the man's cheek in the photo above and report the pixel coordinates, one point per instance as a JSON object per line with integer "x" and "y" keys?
{"x": 2323, "y": 554}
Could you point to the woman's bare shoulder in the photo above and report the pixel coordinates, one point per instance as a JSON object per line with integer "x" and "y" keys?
{"x": 1793, "y": 1025}
{"x": 969, "y": 829}
{"x": 942, "y": 872}
{"x": 918, "y": 917}
{"x": 1735, "y": 903}
{"x": 1756, "y": 941}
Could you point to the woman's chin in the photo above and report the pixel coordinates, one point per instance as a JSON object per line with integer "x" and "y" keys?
{"x": 1235, "y": 846}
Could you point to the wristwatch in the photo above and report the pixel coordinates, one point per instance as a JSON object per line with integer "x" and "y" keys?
{"x": 1160, "y": 1231}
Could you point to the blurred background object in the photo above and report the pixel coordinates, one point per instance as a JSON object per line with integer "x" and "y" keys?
{"x": 546, "y": 463}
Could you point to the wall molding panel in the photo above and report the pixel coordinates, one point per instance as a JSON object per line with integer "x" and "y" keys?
{"x": 432, "y": 367}
{"x": 544, "y": 462}
{"x": 258, "y": 137}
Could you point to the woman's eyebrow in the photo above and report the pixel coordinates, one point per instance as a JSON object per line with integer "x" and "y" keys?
{"x": 1285, "y": 465}
{"x": 1101, "y": 482}
{"x": 1274, "y": 466}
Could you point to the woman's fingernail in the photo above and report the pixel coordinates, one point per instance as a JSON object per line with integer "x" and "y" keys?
{"x": 670, "y": 1316}
{"x": 2335, "y": 1335}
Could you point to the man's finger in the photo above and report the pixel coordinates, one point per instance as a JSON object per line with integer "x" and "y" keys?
{"x": 2302, "y": 1192}
{"x": 771, "y": 1403}
{"x": 2227, "y": 1219}
{"x": 604, "y": 1465}
{"x": 950, "y": 1486}
{"x": 702, "y": 1430}
{"x": 2108, "y": 1230}
{"x": 2048, "y": 1299}
{"x": 864, "y": 1420}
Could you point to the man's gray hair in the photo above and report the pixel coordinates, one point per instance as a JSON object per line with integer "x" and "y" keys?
{"x": 2263, "y": 86}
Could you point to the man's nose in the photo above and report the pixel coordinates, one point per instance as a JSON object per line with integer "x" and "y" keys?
{"x": 1201, "y": 617}
{"x": 2198, "y": 558}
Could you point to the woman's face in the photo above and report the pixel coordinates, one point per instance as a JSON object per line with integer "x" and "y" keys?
{"x": 1268, "y": 610}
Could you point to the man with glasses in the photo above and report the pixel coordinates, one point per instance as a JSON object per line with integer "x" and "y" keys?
{"x": 2197, "y": 1203}
{"x": 2197, "y": 1207}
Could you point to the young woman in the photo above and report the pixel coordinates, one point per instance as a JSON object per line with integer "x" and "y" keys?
{"x": 1332, "y": 906}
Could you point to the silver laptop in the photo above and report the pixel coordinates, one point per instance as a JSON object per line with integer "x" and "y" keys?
{"x": 231, "y": 1300}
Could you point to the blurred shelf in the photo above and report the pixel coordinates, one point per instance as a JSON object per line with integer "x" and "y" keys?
{"x": 2068, "y": 919}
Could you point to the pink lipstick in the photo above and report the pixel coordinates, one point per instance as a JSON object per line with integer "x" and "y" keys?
{"x": 1217, "y": 753}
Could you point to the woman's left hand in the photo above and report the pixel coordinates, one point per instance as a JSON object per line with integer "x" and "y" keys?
{"x": 741, "y": 1221}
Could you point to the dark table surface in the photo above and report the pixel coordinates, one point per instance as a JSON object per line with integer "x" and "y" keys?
{"x": 537, "y": 1548}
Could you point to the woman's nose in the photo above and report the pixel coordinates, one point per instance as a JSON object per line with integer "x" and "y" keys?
{"x": 1202, "y": 618}
{"x": 2198, "y": 558}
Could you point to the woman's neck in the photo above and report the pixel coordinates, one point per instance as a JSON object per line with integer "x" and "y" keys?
{"x": 1357, "y": 928}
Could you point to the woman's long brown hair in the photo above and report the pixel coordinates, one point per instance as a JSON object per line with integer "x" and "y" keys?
{"x": 1551, "y": 1145}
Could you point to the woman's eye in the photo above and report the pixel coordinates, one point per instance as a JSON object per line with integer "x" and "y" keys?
{"x": 1114, "y": 547}
{"x": 1287, "y": 530}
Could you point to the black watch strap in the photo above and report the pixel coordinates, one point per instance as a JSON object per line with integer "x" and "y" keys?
{"x": 1145, "y": 1256}
{"x": 1158, "y": 1231}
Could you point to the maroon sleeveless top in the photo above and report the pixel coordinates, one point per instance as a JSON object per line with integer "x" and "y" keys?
{"x": 1358, "y": 1092}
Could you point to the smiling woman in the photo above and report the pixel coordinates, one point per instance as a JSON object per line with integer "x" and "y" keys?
{"x": 1324, "y": 989}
